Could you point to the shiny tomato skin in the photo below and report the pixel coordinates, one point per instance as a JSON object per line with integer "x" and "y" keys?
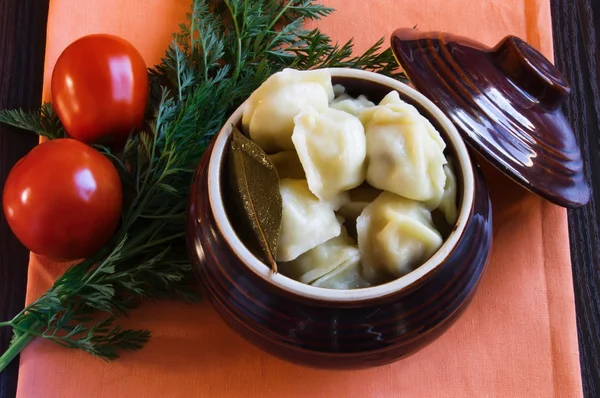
{"x": 99, "y": 89}
{"x": 63, "y": 200}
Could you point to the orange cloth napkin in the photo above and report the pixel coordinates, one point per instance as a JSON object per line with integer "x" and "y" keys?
{"x": 517, "y": 339}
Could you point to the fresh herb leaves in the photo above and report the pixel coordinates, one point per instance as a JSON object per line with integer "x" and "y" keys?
{"x": 44, "y": 122}
{"x": 226, "y": 50}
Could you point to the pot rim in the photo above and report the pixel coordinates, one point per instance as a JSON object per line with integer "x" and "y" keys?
{"x": 333, "y": 295}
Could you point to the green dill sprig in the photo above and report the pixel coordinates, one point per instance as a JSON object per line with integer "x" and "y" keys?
{"x": 44, "y": 122}
{"x": 224, "y": 51}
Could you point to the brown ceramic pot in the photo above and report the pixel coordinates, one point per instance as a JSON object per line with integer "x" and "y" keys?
{"x": 341, "y": 329}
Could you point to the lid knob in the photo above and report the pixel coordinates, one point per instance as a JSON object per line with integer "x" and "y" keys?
{"x": 531, "y": 72}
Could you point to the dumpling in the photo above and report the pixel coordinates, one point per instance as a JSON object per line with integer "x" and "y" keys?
{"x": 393, "y": 101}
{"x": 287, "y": 165}
{"x": 353, "y": 106}
{"x": 448, "y": 203}
{"x": 346, "y": 276}
{"x": 306, "y": 221}
{"x": 395, "y": 236}
{"x": 338, "y": 90}
{"x": 331, "y": 145}
{"x": 339, "y": 252}
{"x": 359, "y": 198}
{"x": 404, "y": 151}
{"x": 268, "y": 115}
{"x": 393, "y": 98}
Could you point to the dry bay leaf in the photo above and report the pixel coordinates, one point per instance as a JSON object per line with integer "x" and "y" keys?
{"x": 255, "y": 187}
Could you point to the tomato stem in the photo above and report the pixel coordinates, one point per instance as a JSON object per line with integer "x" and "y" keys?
{"x": 14, "y": 349}
{"x": 5, "y": 324}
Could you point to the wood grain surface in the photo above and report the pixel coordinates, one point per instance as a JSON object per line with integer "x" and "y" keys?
{"x": 576, "y": 29}
{"x": 22, "y": 44}
{"x": 576, "y": 26}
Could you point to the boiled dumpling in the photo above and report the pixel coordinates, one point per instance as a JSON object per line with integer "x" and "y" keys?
{"x": 393, "y": 98}
{"x": 334, "y": 264}
{"x": 340, "y": 251}
{"x": 346, "y": 276}
{"x": 353, "y": 106}
{"x": 287, "y": 165}
{"x": 268, "y": 115}
{"x": 359, "y": 198}
{"x": 395, "y": 236}
{"x": 404, "y": 151}
{"x": 306, "y": 221}
{"x": 393, "y": 101}
{"x": 338, "y": 90}
{"x": 448, "y": 203}
{"x": 331, "y": 145}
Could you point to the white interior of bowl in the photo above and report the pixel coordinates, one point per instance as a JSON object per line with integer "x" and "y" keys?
{"x": 290, "y": 285}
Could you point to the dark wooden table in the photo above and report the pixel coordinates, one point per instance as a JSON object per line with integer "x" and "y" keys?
{"x": 576, "y": 26}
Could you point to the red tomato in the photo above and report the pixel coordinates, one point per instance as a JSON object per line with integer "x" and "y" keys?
{"x": 100, "y": 89}
{"x": 63, "y": 200}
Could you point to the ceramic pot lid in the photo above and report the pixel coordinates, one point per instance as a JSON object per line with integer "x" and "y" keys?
{"x": 505, "y": 102}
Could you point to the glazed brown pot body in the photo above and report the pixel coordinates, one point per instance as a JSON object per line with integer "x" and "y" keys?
{"x": 341, "y": 334}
